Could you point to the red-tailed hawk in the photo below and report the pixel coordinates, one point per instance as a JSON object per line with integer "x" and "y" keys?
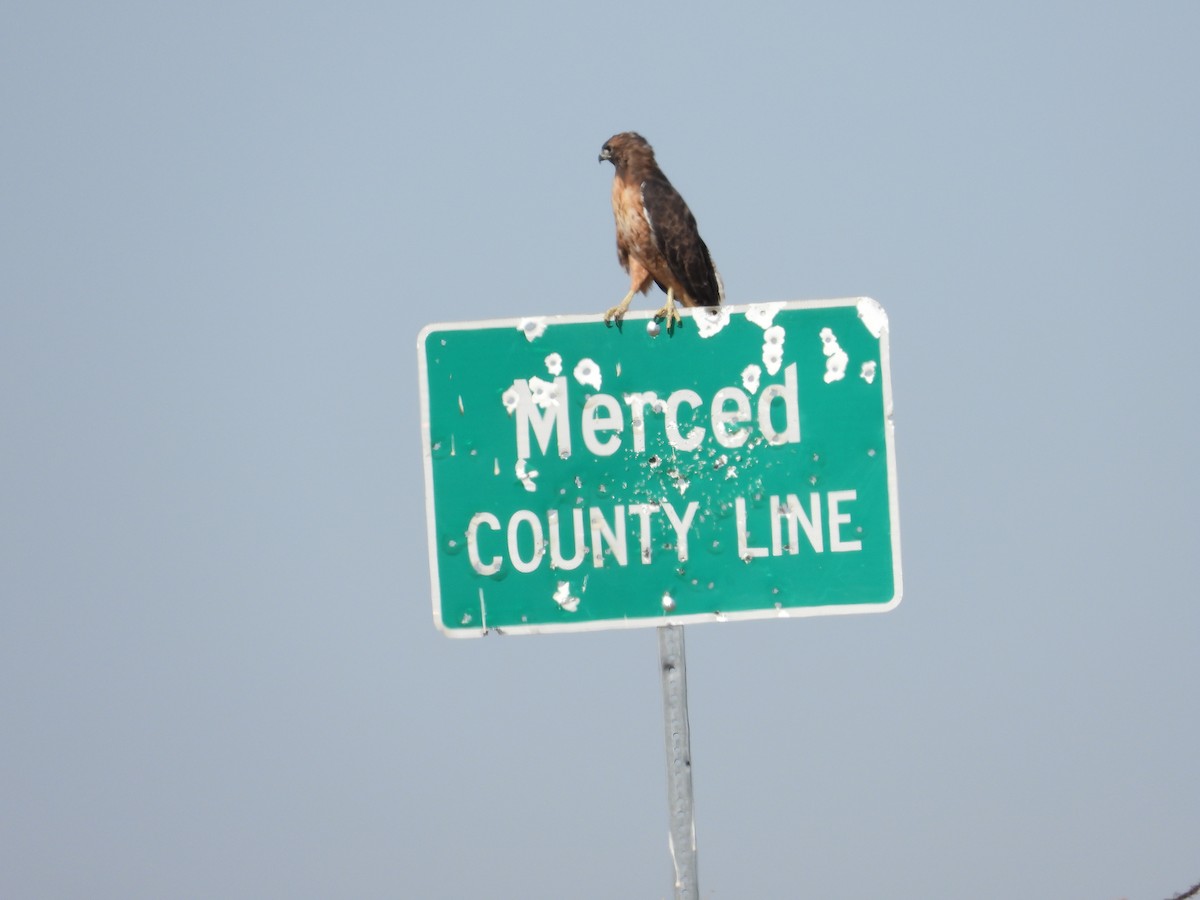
{"x": 657, "y": 238}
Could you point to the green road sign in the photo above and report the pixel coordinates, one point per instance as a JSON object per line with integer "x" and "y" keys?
{"x": 580, "y": 476}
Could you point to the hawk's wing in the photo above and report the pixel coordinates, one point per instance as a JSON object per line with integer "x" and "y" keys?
{"x": 678, "y": 240}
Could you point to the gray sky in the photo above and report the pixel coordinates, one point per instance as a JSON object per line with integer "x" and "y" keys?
{"x": 221, "y": 228}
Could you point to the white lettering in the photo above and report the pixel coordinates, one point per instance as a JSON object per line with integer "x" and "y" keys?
{"x": 724, "y": 421}
{"x": 530, "y": 535}
{"x": 514, "y": 550}
{"x": 794, "y": 513}
{"x": 643, "y": 511}
{"x": 542, "y": 409}
{"x": 482, "y": 518}
{"x": 544, "y": 416}
{"x": 696, "y": 435}
{"x": 556, "y": 558}
{"x": 838, "y": 519}
{"x": 681, "y": 526}
{"x": 602, "y": 413}
{"x": 614, "y": 537}
{"x": 791, "y": 406}
{"x": 637, "y": 415}
{"x": 745, "y": 551}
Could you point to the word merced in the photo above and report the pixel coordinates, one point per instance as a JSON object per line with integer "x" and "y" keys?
{"x": 544, "y": 417}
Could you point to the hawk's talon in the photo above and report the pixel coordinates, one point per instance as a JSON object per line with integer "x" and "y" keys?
{"x": 670, "y": 312}
{"x": 671, "y": 315}
{"x": 618, "y": 311}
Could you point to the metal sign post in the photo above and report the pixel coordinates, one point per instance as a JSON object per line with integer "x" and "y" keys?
{"x": 679, "y": 761}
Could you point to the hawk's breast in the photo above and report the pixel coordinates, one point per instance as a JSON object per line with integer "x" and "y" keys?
{"x": 633, "y": 227}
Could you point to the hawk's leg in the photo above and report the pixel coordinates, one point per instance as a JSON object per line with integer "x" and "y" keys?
{"x": 670, "y": 311}
{"x": 618, "y": 311}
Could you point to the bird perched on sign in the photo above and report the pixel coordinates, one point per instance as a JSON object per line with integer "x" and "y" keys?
{"x": 657, "y": 239}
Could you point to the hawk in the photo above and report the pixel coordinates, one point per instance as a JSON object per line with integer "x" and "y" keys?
{"x": 657, "y": 239}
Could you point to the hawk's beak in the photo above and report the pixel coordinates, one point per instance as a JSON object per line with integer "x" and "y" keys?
{"x": 604, "y": 154}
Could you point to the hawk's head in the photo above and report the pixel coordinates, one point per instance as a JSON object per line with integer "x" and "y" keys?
{"x": 621, "y": 148}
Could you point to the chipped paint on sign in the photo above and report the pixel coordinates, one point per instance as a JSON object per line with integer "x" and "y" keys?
{"x": 588, "y": 374}
{"x": 710, "y": 320}
{"x": 836, "y": 358}
{"x": 526, "y": 477}
{"x": 873, "y": 316}
{"x": 544, "y": 393}
{"x": 762, "y": 314}
{"x": 532, "y": 328}
{"x": 563, "y": 597}
{"x": 701, "y": 475}
{"x": 772, "y": 351}
{"x": 681, "y": 483}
